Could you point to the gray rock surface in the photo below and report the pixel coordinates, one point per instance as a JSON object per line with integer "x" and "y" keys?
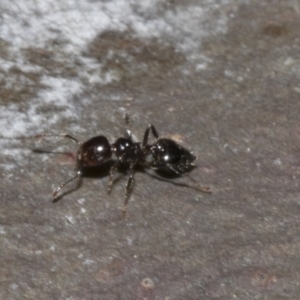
{"x": 222, "y": 77}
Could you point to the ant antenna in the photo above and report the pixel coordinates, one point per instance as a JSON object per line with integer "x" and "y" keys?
{"x": 203, "y": 189}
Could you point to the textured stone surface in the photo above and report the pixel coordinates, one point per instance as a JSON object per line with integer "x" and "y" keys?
{"x": 223, "y": 78}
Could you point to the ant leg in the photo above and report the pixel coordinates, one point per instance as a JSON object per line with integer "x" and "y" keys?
{"x": 78, "y": 174}
{"x": 127, "y": 123}
{"x": 111, "y": 175}
{"x": 154, "y": 131}
{"x": 146, "y": 134}
{"x": 43, "y": 135}
{"x": 62, "y": 135}
{"x": 145, "y": 139}
{"x": 129, "y": 187}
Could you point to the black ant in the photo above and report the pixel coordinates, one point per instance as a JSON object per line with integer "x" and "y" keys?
{"x": 163, "y": 155}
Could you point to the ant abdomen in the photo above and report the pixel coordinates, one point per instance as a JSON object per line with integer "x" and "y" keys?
{"x": 94, "y": 152}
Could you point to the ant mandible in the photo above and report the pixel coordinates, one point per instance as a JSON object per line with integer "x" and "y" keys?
{"x": 163, "y": 155}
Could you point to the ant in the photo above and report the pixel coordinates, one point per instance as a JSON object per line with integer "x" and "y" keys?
{"x": 163, "y": 155}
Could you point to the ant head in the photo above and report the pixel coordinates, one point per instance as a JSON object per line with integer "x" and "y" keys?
{"x": 94, "y": 152}
{"x": 167, "y": 153}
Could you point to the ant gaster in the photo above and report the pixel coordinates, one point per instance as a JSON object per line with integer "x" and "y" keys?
{"x": 163, "y": 155}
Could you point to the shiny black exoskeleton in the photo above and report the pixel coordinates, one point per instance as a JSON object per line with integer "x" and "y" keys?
{"x": 167, "y": 155}
{"x": 163, "y": 154}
